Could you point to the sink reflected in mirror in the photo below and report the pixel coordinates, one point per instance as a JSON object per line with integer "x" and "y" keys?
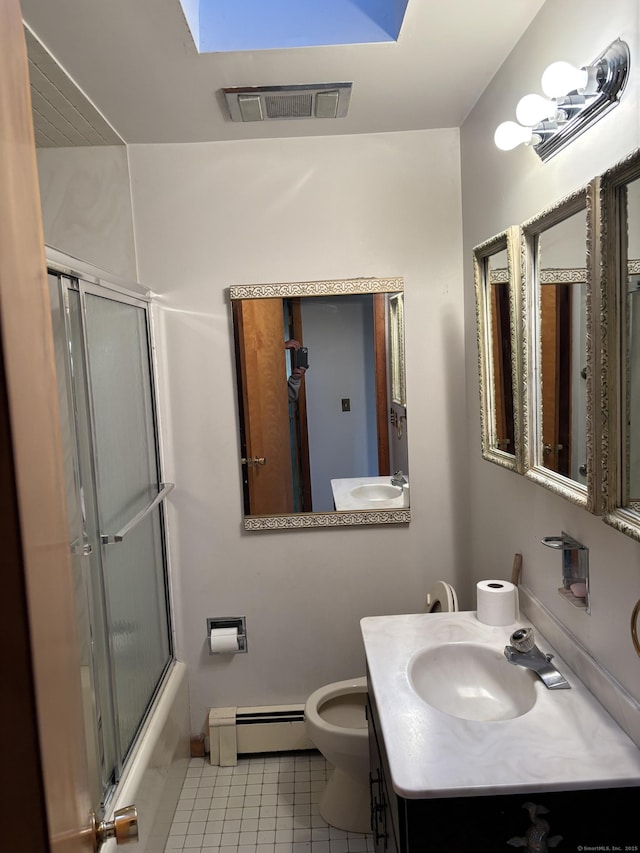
{"x": 372, "y": 493}
{"x": 376, "y": 492}
{"x": 471, "y": 682}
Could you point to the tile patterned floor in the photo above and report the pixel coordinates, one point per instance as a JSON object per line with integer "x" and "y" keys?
{"x": 265, "y": 804}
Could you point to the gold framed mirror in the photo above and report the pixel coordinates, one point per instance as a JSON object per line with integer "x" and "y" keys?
{"x": 497, "y": 325}
{"x": 558, "y": 347}
{"x": 325, "y": 446}
{"x": 620, "y": 287}
{"x": 396, "y": 343}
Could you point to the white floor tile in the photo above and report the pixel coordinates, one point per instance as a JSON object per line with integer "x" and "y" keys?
{"x": 265, "y": 804}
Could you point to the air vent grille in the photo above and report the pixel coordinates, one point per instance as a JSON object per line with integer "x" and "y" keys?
{"x": 274, "y": 103}
{"x": 288, "y": 106}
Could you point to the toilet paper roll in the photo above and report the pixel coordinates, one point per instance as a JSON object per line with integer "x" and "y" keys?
{"x": 223, "y": 640}
{"x": 497, "y": 602}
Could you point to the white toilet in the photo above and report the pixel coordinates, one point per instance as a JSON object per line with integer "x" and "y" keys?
{"x": 336, "y": 723}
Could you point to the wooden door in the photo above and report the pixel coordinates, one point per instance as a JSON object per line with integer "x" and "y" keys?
{"x": 265, "y": 404}
{"x": 556, "y": 376}
{"x": 45, "y": 796}
{"x": 502, "y": 367}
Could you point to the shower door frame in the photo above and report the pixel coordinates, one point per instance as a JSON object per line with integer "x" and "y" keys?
{"x": 86, "y": 280}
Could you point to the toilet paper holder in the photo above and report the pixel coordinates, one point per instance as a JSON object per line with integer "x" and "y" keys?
{"x": 239, "y": 622}
{"x": 575, "y": 569}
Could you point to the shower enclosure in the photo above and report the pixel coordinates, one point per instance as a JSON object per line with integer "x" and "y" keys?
{"x": 115, "y": 495}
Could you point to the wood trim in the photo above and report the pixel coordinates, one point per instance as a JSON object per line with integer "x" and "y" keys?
{"x": 38, "y": 536}
{"x": 19, "y": 737}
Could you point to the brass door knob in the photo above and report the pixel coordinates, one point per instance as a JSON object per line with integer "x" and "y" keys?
{"x": 252, "y": 461}
{"x": 123, "y": 827}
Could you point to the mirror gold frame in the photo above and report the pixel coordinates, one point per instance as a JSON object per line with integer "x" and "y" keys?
{"x": 615, "y": 268}
{"x": 337, "y": 287}
{"x": 489, "y": 376}
{"x": 609, "y": 415}
{"x": 583, "y": 199}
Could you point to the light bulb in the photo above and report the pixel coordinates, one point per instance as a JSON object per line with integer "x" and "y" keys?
{"x": 509, "y": 134}
{"x": 533, "y": 109}
{"x": 562, "y": 77}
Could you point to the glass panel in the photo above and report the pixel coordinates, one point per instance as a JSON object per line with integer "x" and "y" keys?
{"x": 336, "y": 422}
{"x": 631, "y": 491}
{"x": 497, "y": 305}
{"x": 127, "y": 481}
{"x": 500, "y": 338}
{"x": 105, "y": 713}
{"x": 561, "y": 279}
{"x": 93, "y": 659}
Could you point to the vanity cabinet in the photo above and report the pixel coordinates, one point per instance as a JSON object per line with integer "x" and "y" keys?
{"x": 591, "y": 819}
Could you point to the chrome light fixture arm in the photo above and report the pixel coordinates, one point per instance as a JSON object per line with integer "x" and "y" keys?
{"x": 579, "y": 97}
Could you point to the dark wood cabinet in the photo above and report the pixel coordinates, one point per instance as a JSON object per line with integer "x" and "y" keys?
{"x": 605, "y": 819}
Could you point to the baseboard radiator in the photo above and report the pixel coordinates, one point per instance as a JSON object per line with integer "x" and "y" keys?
{"x": 270, "y": 728}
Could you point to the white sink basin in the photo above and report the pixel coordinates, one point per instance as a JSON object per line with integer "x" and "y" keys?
{"x": 458, "y": 719}
{"x": 368, "y": 493}
{"x": 472, "y": 682}
{"x": 376, "y": 492}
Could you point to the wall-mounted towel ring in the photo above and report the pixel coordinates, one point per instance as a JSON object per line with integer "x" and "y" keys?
{"x": 634, "y": 627}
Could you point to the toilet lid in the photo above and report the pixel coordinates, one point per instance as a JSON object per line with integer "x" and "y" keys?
{"x": 442, "y": 599}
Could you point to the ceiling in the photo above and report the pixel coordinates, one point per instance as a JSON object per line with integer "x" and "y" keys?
{"x": 137, "y": 63}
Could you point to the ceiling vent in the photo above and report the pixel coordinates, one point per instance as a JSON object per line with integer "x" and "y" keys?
{"x": 273, "y": 103}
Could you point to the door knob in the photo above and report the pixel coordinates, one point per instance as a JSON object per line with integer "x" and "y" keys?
{"x": 123, "y": 827}
{"x": 552, "y": 448}
{"x": 252, "y": 461}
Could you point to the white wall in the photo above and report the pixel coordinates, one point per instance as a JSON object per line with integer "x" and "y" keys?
{"x": 510, "y": 513}
{"x": 210, "y": 215}
{"x": 86, "y": 206}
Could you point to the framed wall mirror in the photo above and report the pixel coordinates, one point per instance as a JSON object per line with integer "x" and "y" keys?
{"x": 557, "y": 279}
{"x": 620, "y": 248}
{"x": 322, "y": 403}
{"x": 497, "y": 324}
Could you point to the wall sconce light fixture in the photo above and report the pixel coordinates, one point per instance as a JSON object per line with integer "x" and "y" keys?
{"x": 575, "y": 99}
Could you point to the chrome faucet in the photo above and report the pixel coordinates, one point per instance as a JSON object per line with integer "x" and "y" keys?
{"x": 524, "y": 652}
{"x": 399, "y": 479}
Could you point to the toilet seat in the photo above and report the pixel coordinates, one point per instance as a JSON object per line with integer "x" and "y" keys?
{"x": 441, "y": 599}
{"x": 338, "y": 723}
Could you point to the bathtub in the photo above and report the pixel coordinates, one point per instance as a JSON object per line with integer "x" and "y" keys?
{"x": 154, "y": 773}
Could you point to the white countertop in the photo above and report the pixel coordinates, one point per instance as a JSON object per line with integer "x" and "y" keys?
{"x": 566, "y": 741}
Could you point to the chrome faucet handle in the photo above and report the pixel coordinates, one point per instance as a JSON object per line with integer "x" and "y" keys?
{"x": 522, "y": 640}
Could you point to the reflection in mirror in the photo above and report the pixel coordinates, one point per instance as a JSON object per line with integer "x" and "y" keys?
{"x": 563, "y": 323}
{"x": 557, "y": 257}
{"x": 321, "y": 398}
{"x": 496, "y": 297}
{"x": 620, "y": 245}
{"x": 396, "y": 342}
{"x": 631, "y": 492}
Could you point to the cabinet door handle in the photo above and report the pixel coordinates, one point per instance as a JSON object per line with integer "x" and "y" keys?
{"x": 378, "y": 809}
{"x": 373, "y": 803}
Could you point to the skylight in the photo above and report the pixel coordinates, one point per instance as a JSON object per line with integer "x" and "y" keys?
{"x": 239, "y": 25}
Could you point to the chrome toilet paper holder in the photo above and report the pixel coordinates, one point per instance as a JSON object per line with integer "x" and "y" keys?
{"x": 239, "y": 622}
{"x": 575, "y": 569}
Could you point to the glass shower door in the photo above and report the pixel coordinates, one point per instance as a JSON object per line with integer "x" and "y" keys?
{"x": 114, "y": 494}
{"x": 128, "y": 483}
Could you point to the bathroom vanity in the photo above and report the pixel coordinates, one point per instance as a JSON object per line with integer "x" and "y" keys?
{"x": 559, "y": 769}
